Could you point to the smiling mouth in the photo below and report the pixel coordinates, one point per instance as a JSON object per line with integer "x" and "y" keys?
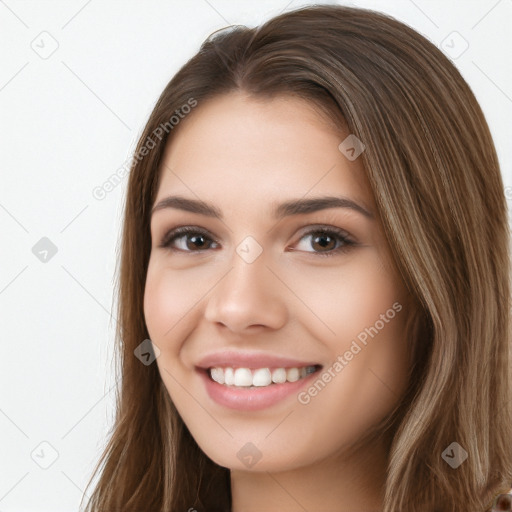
{"x": 246, "y": 378}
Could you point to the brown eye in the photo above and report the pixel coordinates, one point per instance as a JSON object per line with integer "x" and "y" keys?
{"x": 196, "y": 240}
{"x": 324, "y": 241}
{"x": 327, "y": 241}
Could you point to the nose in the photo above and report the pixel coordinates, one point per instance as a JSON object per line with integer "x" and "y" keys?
{"x": 248, "y": 298}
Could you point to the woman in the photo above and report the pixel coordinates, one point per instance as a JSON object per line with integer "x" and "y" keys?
{"x": 316, "y": 244}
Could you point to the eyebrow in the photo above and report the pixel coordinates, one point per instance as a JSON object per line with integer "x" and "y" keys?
{"x": 279, "y": 211}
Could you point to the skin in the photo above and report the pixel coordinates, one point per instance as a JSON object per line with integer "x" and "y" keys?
{"x": 243, "y": 154}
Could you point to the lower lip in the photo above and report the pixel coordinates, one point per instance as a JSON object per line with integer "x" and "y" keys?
{"x": 253, "y": 399}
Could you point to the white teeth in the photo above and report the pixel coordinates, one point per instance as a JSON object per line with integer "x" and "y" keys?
{"x": 292, "y": 374}
{"x": 217, "y": 375}
{"x": 279, "y": 375}
{"x": 229, "y": 376}
{"x": 261, "y": 377}
{"x": 244, "y": 377}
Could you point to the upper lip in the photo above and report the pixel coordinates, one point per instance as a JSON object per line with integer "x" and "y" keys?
{"x": 249, "y": 360}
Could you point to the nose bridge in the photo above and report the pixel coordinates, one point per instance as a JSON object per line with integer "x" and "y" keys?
{"x": 248, "y": 294}
{"x": 248, "y": 268}
{"x": 248, "y": 278}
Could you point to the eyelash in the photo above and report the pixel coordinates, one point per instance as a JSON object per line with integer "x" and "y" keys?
{"x": 336, "y": 233}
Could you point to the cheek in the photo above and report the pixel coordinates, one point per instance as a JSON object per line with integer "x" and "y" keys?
{"x": 168, "y": 299}
{"x": 372, "y": 375}
{"x": 359, "y": 314}
{"x": 344, "y": 301}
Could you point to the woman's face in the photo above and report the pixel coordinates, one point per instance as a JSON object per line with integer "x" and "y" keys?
{"x": 274, "y": 281}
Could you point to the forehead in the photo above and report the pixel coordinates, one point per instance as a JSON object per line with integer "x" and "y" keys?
{"x": 258, "y": 150}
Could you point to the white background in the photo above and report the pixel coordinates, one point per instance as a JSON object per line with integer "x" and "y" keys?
{"x": 68, "y": 122}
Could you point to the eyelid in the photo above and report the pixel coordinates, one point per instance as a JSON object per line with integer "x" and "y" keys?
{"x": 324, "y": 227}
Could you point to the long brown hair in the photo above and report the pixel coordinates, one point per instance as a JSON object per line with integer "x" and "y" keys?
{"x": 432, "y": 167}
